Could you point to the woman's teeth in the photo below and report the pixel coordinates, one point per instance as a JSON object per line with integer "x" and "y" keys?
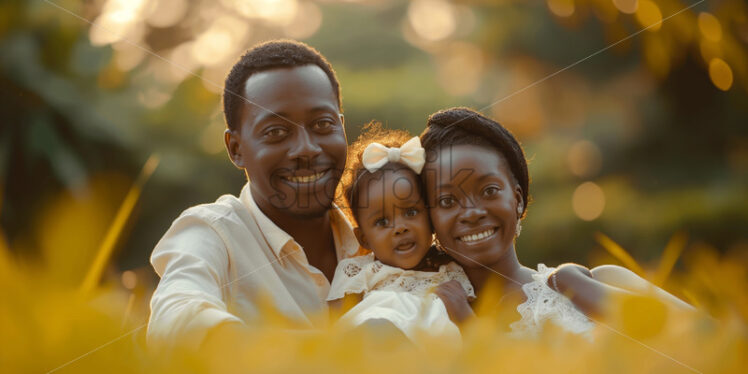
{"x": 478, "y": 236}
{"x": 306, "y": 179}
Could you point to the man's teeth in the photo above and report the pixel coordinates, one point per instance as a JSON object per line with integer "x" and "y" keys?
{"x": 306, "y": 179}
{"x": 478, "y": 236}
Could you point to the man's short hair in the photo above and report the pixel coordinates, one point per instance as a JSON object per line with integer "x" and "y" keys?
{"x": 266, "y": 56}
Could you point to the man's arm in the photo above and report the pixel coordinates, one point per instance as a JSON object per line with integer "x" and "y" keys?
{"x": 193, "y": 263}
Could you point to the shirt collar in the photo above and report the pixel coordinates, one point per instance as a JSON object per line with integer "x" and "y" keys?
{"x": 346, "y": 244}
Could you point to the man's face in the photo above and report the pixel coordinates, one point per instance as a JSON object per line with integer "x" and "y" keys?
{"x": 291, "y": 141}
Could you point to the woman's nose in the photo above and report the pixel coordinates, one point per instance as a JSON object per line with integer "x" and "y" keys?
{"x": 473, "y": 215}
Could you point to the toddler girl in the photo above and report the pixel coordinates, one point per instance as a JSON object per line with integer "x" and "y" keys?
{"x": 383, "y": 189}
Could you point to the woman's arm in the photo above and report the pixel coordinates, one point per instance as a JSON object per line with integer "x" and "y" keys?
{"x": 592, "y": 290}
{"x": 626, "y": 279}
{"x": 578, "y": 284}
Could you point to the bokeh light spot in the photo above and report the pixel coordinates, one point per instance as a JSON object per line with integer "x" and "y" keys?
{"x": 584, "y": 158}
{"x": 710, "y": 26}
{"x": 129, "y": 279}
{"x": 720, "y": 74}
{"x": 649, "y": 15}
{"x": 627, "y": 6}
{"x": 588, "y": 201}
{"x": 561, "y": 8}
{"x": 460, "y": 68}
{"x": 307, "y": 21}
{"x": 166, "y": 13}
{"x": 432, "y": 19}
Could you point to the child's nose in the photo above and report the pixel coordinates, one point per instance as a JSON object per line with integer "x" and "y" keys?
{"x": 400, "y": 228}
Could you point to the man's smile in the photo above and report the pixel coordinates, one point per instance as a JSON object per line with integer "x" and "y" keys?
{"x": 305, "y": 177}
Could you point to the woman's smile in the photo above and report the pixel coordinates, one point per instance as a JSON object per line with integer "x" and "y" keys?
{"x": 478, "y": 236}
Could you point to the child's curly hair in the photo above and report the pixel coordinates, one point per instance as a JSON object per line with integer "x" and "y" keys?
{"x": 370, "y": 133}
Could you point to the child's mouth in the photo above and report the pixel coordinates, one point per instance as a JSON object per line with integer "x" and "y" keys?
{"x": 405, "y": 247}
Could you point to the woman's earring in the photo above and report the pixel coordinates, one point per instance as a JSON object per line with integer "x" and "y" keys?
{"x": 518, "y": 228}
{"x": 438, "y": 245}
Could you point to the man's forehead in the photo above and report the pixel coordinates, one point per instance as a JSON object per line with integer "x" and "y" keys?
{"x": 270, "y": 79}
{"x": 276, "y": 91}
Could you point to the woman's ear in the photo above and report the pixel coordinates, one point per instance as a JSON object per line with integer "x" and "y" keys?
{"x": 360, "y": 237}
{"x": 231, "y": 139}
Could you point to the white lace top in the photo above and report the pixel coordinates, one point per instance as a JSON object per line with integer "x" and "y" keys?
{"x": 363, "y": 274}
{"x": 543, "y": 303}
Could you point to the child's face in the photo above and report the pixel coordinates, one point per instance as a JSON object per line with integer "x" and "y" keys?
{"x": 392, "y": 217}
{"x": 291, "y": 142}
{"x": 474, "y": 199}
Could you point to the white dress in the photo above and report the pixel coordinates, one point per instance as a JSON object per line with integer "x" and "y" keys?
{"x": 400, "y": 296}
{"x": 542, "y": 304}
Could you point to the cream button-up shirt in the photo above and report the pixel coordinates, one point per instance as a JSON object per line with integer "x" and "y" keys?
{"x": 218, "y": 260}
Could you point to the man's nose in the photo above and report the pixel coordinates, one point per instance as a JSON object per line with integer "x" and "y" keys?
{"x": 305, "y": 147}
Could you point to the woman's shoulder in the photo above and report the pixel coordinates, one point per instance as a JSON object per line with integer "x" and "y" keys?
{"x": 543, "y": 303}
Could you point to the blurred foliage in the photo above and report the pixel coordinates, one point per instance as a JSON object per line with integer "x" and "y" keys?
{"x": 650, "y": 120}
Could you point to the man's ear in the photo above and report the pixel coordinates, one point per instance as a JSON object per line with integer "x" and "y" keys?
{"x": 231, "y": 139}
{"x": 360, "y": 237}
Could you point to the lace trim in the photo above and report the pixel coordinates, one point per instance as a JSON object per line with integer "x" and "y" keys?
{"x": 543, "y": 303}
{"x": 365, "y": 274}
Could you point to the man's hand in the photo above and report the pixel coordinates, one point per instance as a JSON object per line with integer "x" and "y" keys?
{"x": 456, "y": 300}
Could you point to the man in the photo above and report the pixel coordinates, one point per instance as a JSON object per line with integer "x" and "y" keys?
{"x": 282, "y": 237}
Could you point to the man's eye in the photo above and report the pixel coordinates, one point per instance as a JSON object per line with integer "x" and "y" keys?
{"x": 446, "y": 202}
{"x": 324, "y": 124}
{"x": 381, "y": 222}
{"x": 276, "y": 132}
{"x": 411, "y": 212}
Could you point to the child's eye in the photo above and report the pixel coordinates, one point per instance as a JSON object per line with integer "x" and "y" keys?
{"x": 491, "y": 191}
{"x": 381, "y": 222}
{"x": 446, "y": 202}
{"x": 411, "y": 212}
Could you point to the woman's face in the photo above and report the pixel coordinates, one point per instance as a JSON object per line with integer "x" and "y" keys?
{"x": 474, "y": 202}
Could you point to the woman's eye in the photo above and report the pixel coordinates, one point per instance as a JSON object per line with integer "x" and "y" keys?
{"x": 381, "y": 222}
{"x": 411, "y": 212}
{"x": 446, "y": 202}
{"x": 491, "y": 191}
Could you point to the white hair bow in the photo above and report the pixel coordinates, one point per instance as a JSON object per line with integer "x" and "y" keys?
{"x": 411, "y": 154}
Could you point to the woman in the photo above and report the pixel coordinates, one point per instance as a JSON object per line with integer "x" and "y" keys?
{"x": 477, "y": 186}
